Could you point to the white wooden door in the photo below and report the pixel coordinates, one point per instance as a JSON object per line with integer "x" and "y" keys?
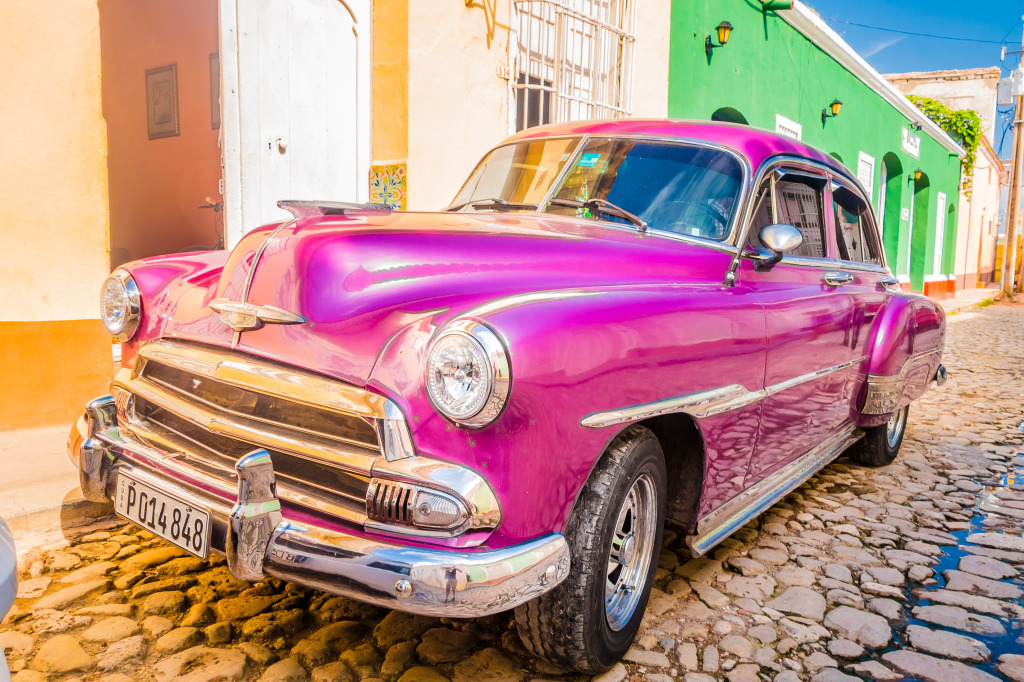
{"x": 296, "y": 105}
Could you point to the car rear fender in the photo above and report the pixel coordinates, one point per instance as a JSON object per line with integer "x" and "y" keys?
{"x": 905, "y": 350}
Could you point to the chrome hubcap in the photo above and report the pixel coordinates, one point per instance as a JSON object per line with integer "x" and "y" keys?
{"x": 894, "y": 427}
{"x": 631, "y": 552}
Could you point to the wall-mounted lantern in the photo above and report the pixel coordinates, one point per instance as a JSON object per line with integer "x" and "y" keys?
{"x": 834, "y": 108}
{"x": 915, "y": 176}
{"x": 723, "y": 29}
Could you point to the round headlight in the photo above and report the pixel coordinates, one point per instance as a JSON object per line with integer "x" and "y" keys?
{"x": 120, "y": 305}
{"x": 467, "y": 374}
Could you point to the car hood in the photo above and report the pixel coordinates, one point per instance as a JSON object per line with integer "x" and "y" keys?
{"x": 360, "y": 279}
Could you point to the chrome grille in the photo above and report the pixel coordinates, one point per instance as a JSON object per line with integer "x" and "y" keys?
{"x": 211, "y": 406}
{"x": 263, "y": 408}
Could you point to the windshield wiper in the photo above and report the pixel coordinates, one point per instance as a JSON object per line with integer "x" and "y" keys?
{"x": 496, "y": 203}
{"x": 602, "y": 206}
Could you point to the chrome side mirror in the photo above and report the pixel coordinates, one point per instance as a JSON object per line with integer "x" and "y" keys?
{"x": 780, "y": 239}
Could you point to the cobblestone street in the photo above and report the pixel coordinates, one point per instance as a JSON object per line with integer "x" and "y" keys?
{"x": 912, "y": 571}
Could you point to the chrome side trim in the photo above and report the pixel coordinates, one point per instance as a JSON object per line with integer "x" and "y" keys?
{"x": 701, "y": 404}
{"x": 883, "y": 391}
{"x": 735, "y": 513}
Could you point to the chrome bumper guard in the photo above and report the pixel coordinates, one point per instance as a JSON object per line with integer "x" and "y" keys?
{"x": 258, "y": 542}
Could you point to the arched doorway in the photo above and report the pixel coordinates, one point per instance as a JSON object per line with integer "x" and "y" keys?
{"x": 949, "y": 248}
{"x": 729, "y": 115}
{"x": 918, "y": 232}
{"x": 890, "y": 207}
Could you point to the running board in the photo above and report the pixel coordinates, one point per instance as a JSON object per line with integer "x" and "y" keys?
{"x": 724, "y": 521}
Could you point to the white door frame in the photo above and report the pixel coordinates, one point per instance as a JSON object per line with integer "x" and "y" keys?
{"x": 234, "y": 164}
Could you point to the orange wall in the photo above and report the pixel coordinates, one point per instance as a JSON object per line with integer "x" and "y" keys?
{"x": 54, "y": 353}
{"x": 156, "y": 185}
{"x": 50, "y": 370}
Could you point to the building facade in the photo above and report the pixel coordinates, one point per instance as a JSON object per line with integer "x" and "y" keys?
{"x": 978, "y": 221}
{"x": 185, "y": 139}
{"x": 781, "y": 70}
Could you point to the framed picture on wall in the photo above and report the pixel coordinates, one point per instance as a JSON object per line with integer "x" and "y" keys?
{"x": 215, "y": 90}
{"x": 162, "y": 102}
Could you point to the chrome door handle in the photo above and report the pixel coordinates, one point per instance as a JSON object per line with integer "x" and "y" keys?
{"x": 837, "y": 279}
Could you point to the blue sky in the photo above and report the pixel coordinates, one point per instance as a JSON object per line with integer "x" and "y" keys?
{"x": 998, "y": 21}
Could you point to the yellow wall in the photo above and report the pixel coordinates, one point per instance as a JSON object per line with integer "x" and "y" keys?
{"x": 457, "y": 101}
{"x": 53, "y": 198}
{"x": 650, "y": 59}
{"x": 439, "y": 103}
{"x": 50, "y": 370}
{"x": 157, "y": 185}
{"x": 54, "y": 354}
{"x": 390, "y": 114}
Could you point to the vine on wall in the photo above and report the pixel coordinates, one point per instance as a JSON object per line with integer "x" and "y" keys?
{"x": 963, "y": 125}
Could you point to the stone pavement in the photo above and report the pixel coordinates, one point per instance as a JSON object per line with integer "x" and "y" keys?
{"x": 912, "y": 571}
{"x": 39, "y": 485}
{"x": 968, "y": 298}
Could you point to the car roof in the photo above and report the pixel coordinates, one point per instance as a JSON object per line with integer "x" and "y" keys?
{"x": 755, "y": 144}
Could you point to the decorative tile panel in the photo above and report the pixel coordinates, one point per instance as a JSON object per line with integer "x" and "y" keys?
{"x": 388, "y": 184}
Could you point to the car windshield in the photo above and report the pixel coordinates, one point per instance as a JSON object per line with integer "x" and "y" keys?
{"x": 679, "y": 188}
{"x": 515, "y": 177}
{"x": 674, "y": 187}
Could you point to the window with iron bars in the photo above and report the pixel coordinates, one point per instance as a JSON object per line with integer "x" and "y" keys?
{"x": 573, "y": 60}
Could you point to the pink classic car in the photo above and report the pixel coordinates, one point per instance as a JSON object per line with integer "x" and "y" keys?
{"x": 614, "y": 326}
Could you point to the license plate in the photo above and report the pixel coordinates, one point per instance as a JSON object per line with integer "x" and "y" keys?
{"x": 176, "y": 521}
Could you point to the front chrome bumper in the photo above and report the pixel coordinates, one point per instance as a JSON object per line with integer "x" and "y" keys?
{"x": 257, "y": 540}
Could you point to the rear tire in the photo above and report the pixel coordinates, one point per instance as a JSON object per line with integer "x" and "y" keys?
{"x": 614, "y": 533}
{"x": 881, "y": 444}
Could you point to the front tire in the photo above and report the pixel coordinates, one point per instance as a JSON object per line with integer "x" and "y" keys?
{"x": 881, "y": 444}
{"x": 614, "y": 533}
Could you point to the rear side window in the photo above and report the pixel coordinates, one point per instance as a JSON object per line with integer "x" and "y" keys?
{"x": 799, "y": 201}
{"x": 853, "y": 226}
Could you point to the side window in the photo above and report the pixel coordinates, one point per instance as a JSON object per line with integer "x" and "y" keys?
{"x": 853, "y": 226}
{"x": 799, "y": 201}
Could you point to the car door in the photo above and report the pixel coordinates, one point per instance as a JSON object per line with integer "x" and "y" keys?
{"x": 859, "y": 261}
{"x": 809, "y": 359}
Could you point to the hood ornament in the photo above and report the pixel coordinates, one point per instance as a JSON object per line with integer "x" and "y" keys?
{"x": 244, "y": 317}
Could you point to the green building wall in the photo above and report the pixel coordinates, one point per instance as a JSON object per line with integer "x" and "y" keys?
{"x": 768, "y": 68}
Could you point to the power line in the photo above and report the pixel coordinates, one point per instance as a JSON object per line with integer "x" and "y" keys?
{"x": 919, "y": 35}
